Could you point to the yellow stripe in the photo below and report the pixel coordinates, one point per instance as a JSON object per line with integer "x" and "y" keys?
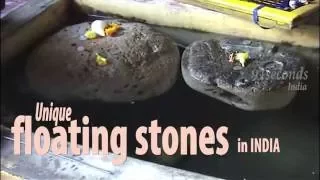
{"x": 245, "y": 9}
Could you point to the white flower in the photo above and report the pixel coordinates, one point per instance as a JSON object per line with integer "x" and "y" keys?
{"x": 98, "y": 27}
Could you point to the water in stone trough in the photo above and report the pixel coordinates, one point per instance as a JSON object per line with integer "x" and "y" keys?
{"x": 296, "y": 126}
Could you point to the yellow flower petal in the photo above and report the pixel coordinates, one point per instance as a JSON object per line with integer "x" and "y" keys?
{"x": 101, "y": 61}
{"x": 242, "y": 58}
{"x": 90, "y": 35}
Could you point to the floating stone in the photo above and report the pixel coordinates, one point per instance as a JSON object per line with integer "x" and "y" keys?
{"x": 262, "y": 84}
{"x": 142, "y": 63}
{"x": 80, "y": 48}
{"x": 237, "y": 68}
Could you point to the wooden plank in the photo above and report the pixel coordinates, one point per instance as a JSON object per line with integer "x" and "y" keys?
{"x": 22, "y": 15}
{"x": 184, "y": 37}
{"x": 10, "y": 5}
{"x": 28, "y": 24}
{"x": 173, "y": 14}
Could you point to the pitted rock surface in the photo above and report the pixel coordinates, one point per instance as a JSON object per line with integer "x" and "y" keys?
{"x": 142, "y": 63}
{"x": 262, "y": 84}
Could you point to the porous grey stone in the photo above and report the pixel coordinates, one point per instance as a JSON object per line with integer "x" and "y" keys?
{"x": 205, "y": 68}
{"x": 142, "y": 63}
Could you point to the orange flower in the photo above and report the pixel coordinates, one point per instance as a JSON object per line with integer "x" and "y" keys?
{"x": 111, "y": 29}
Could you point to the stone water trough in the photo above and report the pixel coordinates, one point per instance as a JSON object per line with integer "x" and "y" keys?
{"x": 178, "y": 76}
{"x": 144, "y": 63}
